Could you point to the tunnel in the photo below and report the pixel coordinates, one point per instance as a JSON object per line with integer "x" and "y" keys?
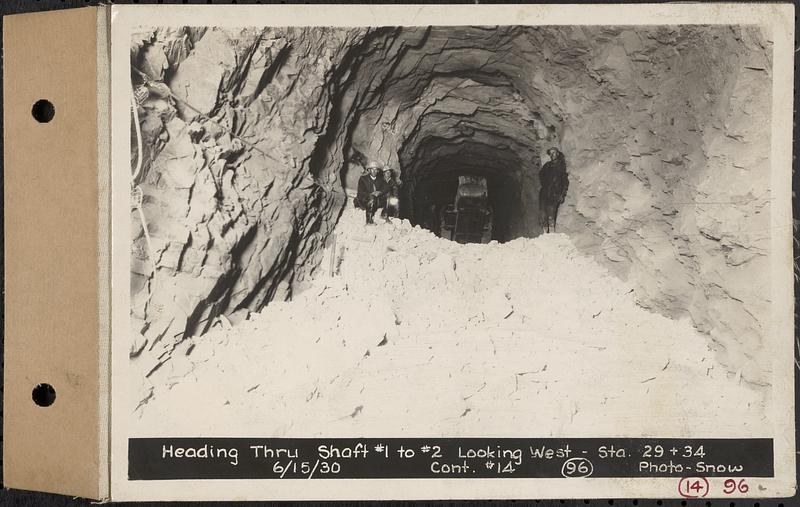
{"x": 450, "y": 107}
{"x": 254, "y": 138}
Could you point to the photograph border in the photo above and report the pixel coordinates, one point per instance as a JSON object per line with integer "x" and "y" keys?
{"x": 770, "y": 17}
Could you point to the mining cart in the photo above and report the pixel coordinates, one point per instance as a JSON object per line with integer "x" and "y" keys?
{"x": 469, "y": 219}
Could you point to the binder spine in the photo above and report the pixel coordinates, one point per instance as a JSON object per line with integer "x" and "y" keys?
{"x": 103, "y": 23}
{"x": 56, "y": 324}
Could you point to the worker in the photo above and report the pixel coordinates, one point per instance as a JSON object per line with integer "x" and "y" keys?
{"x": 435, "y": 219}
{"x": 554, "y": 183}
{"x": 371, "y": 189}
{"x": 391, "y": 201}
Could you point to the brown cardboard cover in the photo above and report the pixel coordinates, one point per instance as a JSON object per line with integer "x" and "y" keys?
{"x": 51, "y": 255}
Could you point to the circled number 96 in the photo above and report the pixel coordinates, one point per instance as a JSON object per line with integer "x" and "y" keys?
{"x": 577, "y": 467}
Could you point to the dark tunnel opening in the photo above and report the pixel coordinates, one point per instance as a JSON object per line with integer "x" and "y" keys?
{"x": 471, "y": 190}
{"x": 445, "y": 204}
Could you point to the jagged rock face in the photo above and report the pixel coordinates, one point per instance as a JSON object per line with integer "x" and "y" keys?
{"x": 665, "y": 131}
{"x": 674, "y": 183}
{"x": 230, "y": 199}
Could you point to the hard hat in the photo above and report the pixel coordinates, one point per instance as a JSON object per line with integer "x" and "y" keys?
{"x": 373, "y": 165}
{"x": 387, "y": 169}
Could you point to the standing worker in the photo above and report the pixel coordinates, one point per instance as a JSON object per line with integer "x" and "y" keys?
{"x": 371, "y": 189}
{"x": 554, "y": 184}
{"x": 391, "y": 202}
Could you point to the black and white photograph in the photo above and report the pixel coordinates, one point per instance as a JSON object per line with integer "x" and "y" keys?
{"x": 481, "y": 230}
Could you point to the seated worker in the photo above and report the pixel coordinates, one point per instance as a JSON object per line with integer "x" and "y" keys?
{"x": 371, "y": 189}
{"x": 391, "y": 202}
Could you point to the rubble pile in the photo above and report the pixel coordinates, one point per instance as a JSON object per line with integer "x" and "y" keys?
{"x": 405, "y": 333}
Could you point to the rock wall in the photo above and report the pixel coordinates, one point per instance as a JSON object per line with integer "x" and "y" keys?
{"x": 672, "y": 178}
{"x": 251, "y": 136}
{"x": 231, "y": 127}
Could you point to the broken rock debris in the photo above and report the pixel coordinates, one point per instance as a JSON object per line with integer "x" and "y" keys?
{"x": 530, "y": 334}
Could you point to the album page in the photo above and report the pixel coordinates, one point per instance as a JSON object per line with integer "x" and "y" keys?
{"x": 450, "y": 252}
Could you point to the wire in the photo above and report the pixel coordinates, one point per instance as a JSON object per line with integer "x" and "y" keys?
{"x": 137, "y": 197}
{"x": 135, "y": 107}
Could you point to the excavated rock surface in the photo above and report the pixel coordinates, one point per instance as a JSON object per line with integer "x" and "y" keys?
{"x": 235, "y": 214}
{"x": 417, "y": 335}
{"x": 665, "y": 132}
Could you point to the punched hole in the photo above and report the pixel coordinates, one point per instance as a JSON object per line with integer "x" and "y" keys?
{"x": 43, "y": 111}
{"x": 44, "y": 395}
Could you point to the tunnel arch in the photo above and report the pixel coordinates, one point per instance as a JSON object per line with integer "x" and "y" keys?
{"x": 449, "y": 106}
